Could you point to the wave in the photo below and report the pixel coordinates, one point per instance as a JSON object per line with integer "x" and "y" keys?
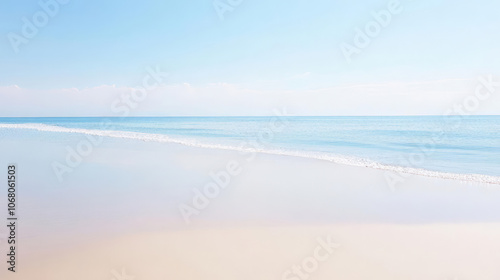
{"x": 345, "y": 160}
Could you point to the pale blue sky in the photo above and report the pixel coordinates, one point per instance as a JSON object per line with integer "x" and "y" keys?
{"x": 261, "y": 45}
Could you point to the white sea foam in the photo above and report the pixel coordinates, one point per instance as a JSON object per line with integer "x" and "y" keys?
{"x": 149, "y": 137}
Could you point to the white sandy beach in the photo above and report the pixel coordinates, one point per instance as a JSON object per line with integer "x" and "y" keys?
{"x": 468, "y": 251}
{"x": 117, "y": 214}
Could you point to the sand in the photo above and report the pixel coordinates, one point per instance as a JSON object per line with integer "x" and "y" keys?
{"x": 118, "y": 214}
{"x": 364, "y": 252}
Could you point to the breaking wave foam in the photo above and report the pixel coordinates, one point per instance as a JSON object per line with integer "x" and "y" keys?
{"x": 345, "y": 160}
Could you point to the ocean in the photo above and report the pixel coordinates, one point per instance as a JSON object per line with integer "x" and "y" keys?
{"x": 463, "y": 147}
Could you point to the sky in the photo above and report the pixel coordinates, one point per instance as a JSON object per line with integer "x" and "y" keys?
{"x": 242, "y": 57}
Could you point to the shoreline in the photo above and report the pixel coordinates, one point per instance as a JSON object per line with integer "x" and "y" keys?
{"x": 339, "y": 159}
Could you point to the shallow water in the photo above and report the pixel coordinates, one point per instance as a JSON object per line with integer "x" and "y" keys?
{"x": 459, "y": 145}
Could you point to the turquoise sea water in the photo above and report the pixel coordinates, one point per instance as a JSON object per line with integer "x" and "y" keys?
{"x": 461, "y": 145}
